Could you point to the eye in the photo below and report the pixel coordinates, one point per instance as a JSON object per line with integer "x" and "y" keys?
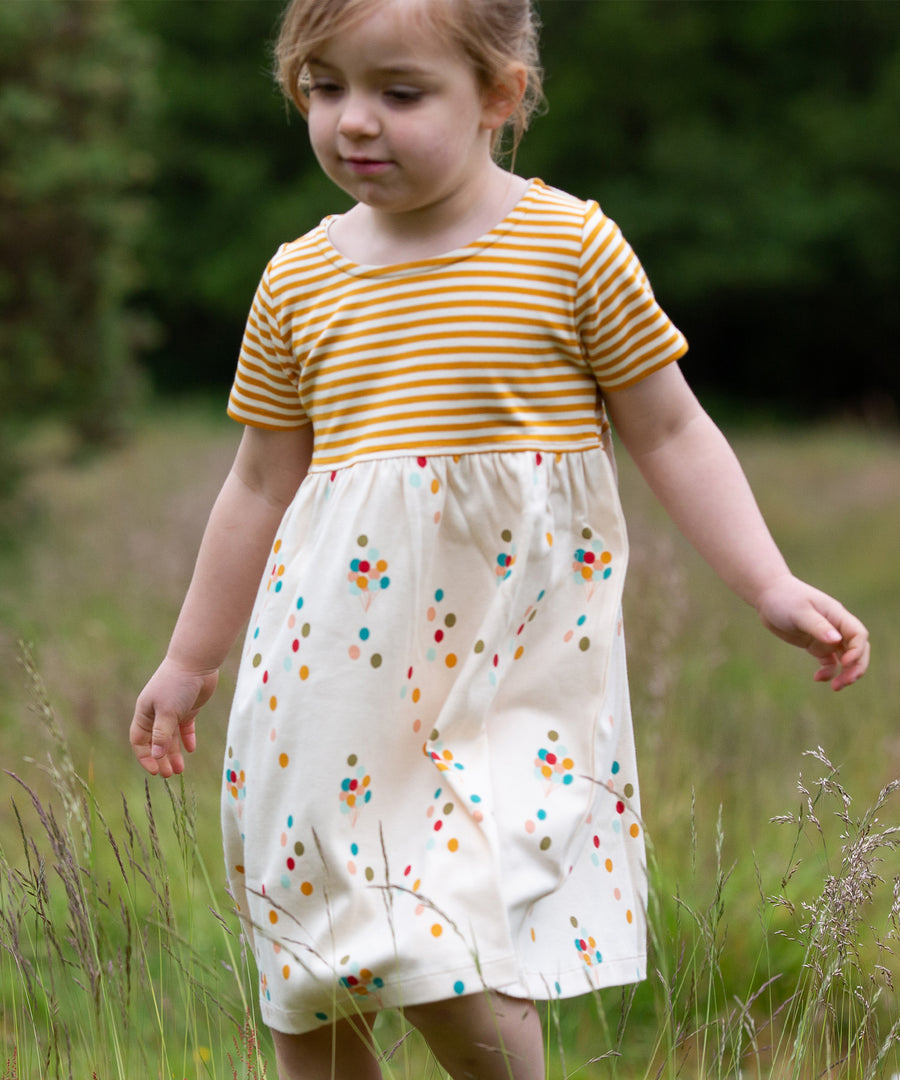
{"x": 324, "y": 86}
{"x": 404, "y": 95}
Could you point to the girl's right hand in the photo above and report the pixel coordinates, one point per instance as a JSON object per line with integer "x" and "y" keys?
{"x": 163, "y": 721}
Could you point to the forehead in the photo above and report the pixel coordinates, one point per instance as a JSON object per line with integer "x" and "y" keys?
{"x": 394, "y": 27}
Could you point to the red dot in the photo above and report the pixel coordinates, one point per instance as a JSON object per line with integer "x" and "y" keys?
{"x": 354, "y": 784}
{"x": 290, "y": 864}
{"x": 620, "y": 807}
{"x": 295, "y": 645}
{"x": 407, "y": 871}
{"x": 551, "y": 759}
{"x": 438, "y": 825}
{"x": 596, "y": 841}
{"x": 409, "y": 673}
{"x": 589, "y": 556}
{"x": 521, "y": 628}
{"x": 352, "y": 980}
{"x": 364, "y": 566}
{"x": 496, "y": 660}
{"x": 439, "y": 635}
{"x": 265, "y": 676}
{"x": 422, "y": 461}
{"x": 539, "y": 459}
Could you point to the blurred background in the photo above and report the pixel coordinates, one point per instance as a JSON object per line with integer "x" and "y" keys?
{"x": 149, "y": 168}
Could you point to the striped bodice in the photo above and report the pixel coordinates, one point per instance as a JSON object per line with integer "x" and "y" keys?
{"x": 500, "y": 345}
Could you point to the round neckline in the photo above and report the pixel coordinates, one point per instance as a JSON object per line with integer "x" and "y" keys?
{"x": 400, "y": 269}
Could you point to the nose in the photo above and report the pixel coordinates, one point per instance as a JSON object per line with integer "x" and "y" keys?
{"x": 359, "y": 118}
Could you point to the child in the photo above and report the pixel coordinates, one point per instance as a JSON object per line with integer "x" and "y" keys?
{"x": 430, "y": 797}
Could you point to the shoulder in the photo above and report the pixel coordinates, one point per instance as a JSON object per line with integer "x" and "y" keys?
{"x": 299, "y": 262}
{"x": 545, "y": 199}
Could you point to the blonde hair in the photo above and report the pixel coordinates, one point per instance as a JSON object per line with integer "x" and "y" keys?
{"x": 491, "y": 34}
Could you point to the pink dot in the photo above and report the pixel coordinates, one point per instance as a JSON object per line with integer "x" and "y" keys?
{"x": 354, "y": 652}
{"x": 431, "y": 614}
{"x": 529, "y": 826}
{"x": 568, "y": 635}
{"x": 477, "y": 815}
{"x": 351, "y": 866}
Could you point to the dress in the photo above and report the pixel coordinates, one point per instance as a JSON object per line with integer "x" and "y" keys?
{"x": 430, "y": 783}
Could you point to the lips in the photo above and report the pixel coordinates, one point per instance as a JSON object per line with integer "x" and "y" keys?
{"x": 366, "y": 166}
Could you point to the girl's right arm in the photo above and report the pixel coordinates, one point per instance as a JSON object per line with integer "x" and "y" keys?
{"x": 267, "y": 471}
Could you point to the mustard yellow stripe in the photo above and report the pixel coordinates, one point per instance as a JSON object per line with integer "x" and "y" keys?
{"x": 376, "y": 366}
{"x": 533, "y": 414}
{"x": 585, "y": 386}
{"x": 365, "y": 429}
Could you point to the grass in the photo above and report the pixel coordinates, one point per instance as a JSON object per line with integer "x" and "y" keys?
{"x": 772, "y": 944}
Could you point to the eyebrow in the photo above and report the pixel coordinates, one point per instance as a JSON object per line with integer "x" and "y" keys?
{"x": 387, "y": 69}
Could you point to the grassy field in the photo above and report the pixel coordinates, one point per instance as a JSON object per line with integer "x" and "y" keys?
{"x": 772, "y": 942}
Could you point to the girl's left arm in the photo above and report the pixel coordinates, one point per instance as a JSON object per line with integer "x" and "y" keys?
{"x": 694, "y": 473}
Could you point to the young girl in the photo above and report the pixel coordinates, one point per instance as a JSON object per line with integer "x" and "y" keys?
{"x": 430, "y": 798}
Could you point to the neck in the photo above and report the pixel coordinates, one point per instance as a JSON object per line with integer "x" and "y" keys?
{"x": 368, "y": 235}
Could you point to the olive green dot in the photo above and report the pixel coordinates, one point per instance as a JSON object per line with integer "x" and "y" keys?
{"x": 435, "y": 735}
{"x": 230, "y": 752}
{"x": 352, "y": 760}
{"x": 298, "y": 848}
{"x": 552, "y": 735}
{"x": 362, "y": 540}
{"x": 573, "y": 921}
{"x": 448, "y": 808}
{"x": 532, "y": 615}
{"x": 257, "y": 660}
{"x": 506, "y": 536}
{"x": 479, "y": 646}
{"x": 376, "y": 660}
{"x": 450, "y": 620}
{"x": 545, "y": 843}
{"x": 584, "y": 644}
{"x": 345, "y": 960}
{"x": 304, "y": 629}
{"x": 586, "y": 533}
{"x": 628, "y": 790}
{"x": 370, "y": 873}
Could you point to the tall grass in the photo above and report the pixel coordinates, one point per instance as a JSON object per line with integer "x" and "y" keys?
{"x": 773, "y": 946}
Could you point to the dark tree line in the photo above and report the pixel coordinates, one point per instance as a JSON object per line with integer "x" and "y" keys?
{"x": 749, "y": 149}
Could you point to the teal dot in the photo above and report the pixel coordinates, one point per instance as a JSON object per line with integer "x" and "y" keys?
{"x": 321, "y": 1016}
{"x": 299, "y": 602}
{"x": 364, "y": 634}
{"x": 582, "y": 620}
{"x": 278, "y": 585}
{"x": 290, "y": 822}
{"x": 354, "y": 849}
{"x": 439, "y": 595}
{"x": 256, "y": 633}
{"x": 615, "y": 767}
{"x": 476, "y": 798}
{"x": 459, "y": 987}
{"x": 542, "y": 814}
{"x": 541, "y": 595}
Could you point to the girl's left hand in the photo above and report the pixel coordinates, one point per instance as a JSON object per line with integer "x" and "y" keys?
{"x": 812, "y": 620}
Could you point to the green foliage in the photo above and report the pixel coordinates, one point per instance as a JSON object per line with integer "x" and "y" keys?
{"x": 751, "y": 153}
{"x": 75, "y": 96}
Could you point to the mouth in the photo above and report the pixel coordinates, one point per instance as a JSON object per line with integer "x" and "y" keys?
{"x": 366, "y": 166}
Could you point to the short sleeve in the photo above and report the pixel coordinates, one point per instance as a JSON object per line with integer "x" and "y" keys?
{"x": 624, "y": 333}
{"x": 265, "y": 390}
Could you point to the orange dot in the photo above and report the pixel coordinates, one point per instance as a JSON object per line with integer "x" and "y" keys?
{"x": 281, "y": 570}
{"x": 606, "y": 557}
{"x": 381, "y": 566}
{"x": 546, "y": 771}
{"x": 437, "y": 930}
{"x": 306, "y": 888}
{"x": 273, "y": 917}
{"x": 362, "y": 582}
{"x": 453, "y": 845}
{"x": 417, "y": 884}
{"x": 304, "y": 672}
{"x": 239, "y": 868}
{"x": 451, "y": 660}
{"x": 277, "y": 547}
{"x": 283, "y": 760}
{"x": 273, "y": 703}
{"x": 628, "y": 916}
{"x": 519, "y": 652}
{"x": 286, "y": 971}
{"x": 416, "y": 694}
{"x": 568, "y": 763}
{"x": 587, "y": 573}
{"x": 533, "y": 936}
{"x": 634, "y": 830}
{"x": 550, "y": 539}
{"x": 608, "y": 865}
{"x": 435, "y": 487}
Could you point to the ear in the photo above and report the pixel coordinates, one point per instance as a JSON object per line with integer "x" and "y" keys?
{"x": 501, "y": 100}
